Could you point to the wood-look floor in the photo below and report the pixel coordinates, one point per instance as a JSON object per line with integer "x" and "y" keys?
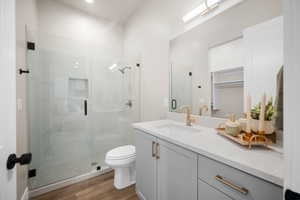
{"x": 98, "y": 188}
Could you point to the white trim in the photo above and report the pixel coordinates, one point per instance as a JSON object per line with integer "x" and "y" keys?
{"x": 25, "y": 195}
{"x": 67, "y": 182}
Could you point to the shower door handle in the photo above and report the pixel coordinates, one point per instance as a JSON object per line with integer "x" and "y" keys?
{"x": 22, "y": 71}
{"x": 85, "y": 108}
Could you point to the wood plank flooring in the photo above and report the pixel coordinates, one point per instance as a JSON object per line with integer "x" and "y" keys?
{"x": 98, "y": 188}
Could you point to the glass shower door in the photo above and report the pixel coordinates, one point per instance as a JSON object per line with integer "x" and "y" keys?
{"x": 79, "y": 108}
{"x": 58, "y": 123}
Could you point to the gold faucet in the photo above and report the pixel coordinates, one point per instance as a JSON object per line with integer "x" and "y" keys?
{"x": 189, "y": 119}
{"x": 203, "y": 109}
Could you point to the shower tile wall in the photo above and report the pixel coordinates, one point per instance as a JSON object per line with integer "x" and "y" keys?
{"x": 64, "y": 141}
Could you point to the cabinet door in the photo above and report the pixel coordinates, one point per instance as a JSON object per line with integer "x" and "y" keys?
{"x": 206, "y": 192}
{"x": 176, "y": 173}
{"x": 145, "y": 166}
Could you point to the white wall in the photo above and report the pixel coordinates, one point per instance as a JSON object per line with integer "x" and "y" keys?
{"x": 56, "y": 19}
{"x": 26, "y": 16}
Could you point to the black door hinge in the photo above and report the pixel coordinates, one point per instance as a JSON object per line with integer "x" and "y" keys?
{"x": 290, "y": 195}
{"x": 32, "y": 173}
{"x": 31, "y": 46}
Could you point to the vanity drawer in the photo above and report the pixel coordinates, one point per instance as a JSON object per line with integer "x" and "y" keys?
{"x": 235, "y": 183}
{"x": 206, "y": 192}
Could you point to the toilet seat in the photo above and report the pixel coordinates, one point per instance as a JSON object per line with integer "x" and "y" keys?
{"x": 122, "y": 160}
{"x": 122, "y": 153}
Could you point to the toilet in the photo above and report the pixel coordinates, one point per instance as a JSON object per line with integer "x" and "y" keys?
{"x": 122, "y": 160}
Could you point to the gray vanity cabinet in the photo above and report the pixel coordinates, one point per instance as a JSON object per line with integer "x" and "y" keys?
{"x": 168, "y": 172}
{"x": 145, "y": 166}
{"x": 176, "y": 173}
{"x": 164, "y": 171}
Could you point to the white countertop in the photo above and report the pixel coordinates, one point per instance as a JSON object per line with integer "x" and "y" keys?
{"x": 260, "y": 162}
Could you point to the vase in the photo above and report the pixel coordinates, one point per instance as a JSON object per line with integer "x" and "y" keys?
{"x": 269, "y": 127}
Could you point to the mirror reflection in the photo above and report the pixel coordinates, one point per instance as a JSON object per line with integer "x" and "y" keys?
{"x": 218, "y": 63}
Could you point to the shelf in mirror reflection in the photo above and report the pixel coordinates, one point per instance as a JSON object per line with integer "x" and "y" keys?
{"x": 235, "y": 83}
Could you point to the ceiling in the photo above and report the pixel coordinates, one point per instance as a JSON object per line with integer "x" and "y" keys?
{"x": 115, "y": 10}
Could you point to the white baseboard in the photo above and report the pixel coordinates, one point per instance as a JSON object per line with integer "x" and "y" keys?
{"x": 67, "y": 182}
{"x": 25, "y": 195}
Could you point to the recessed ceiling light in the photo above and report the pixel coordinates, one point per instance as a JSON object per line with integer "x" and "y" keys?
{"x": 89, "y": 1}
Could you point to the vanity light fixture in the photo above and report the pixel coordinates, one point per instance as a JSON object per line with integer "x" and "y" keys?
{"x": 206, "y": 7}
{"x": 89, "y": 1}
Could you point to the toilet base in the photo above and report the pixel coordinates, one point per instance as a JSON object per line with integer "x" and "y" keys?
{"x": 124, "y": 177}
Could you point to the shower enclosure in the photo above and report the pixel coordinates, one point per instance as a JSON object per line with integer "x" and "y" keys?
{"x": 79, "y": 107}
{"x": 181, "y": 77}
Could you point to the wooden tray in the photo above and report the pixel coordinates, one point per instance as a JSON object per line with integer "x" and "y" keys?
{"x": 246, "y": 139}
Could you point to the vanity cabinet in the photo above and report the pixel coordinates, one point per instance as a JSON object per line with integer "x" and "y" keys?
{"x": 176, "y": 173}
{"x": 169, "y": 172}
{"x": 145, "y": 166}
{"x": 164, "y": 171}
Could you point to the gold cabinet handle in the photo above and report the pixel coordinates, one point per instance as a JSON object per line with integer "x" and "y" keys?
{"x": 157, "y": 151}
{"x": 153, "y": 150}
{"x": 231, "y": 185}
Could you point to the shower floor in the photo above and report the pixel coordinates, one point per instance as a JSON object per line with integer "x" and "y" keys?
{"x": 100, "y": 187}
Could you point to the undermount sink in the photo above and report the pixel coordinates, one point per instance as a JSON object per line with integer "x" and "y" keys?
{"x": 176, "y": 129}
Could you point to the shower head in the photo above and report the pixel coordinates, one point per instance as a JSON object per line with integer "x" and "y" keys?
{"x": 122, "y": 70}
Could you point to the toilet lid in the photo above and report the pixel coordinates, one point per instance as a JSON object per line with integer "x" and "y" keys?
{"x": 122, "y": 152}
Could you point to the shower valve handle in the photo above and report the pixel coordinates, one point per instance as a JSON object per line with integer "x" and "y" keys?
{"x": 129, "y": 103}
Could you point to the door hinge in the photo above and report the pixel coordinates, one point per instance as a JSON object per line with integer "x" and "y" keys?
{"x": 32, "y": 173}
{"x": 31, "y": 46}
{"x": 290, "y": 195}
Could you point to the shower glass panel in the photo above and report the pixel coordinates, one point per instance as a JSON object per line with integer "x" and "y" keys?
{"x": 78, "y": 108}
{"x": 181, "y": 86}
{"x": 111, "y": 112}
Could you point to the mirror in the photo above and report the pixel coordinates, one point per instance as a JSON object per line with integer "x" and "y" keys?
{"x": 216, "y": 64}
